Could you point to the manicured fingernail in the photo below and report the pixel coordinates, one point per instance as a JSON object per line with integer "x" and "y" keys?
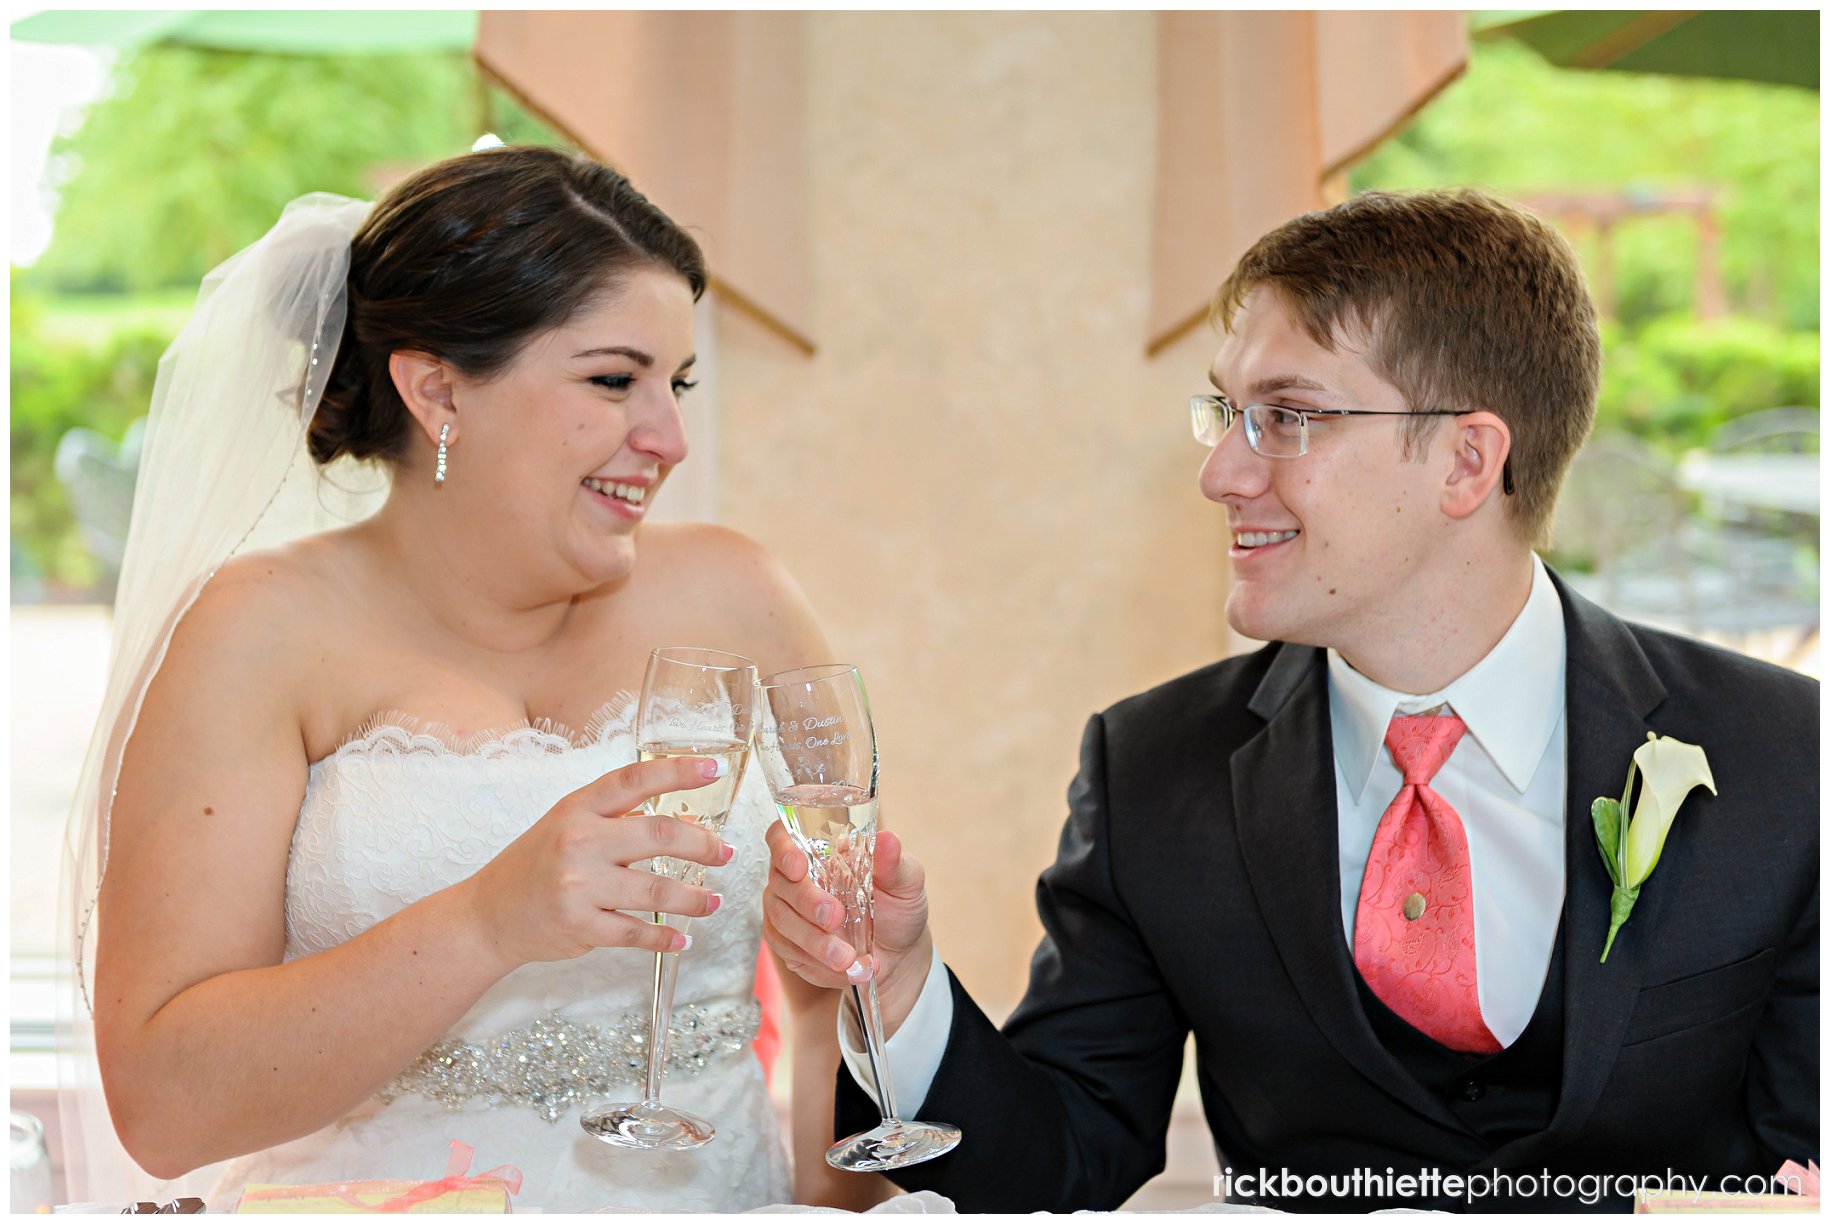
{"x": 858, "y": 971}
{"x": 682, "y": 942}
{"x": 712, "y": 767}
{"x": 825, "y": 912}
{"x": 717, "y": 900}
{"x": 730, "y": 852}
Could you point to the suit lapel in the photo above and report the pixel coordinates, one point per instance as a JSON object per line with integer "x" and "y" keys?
{"x": 1610, "y": 689}
{"x": 1289, "y": 834}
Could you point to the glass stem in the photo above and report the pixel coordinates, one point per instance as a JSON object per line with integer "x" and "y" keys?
{"x": 870, "y": 1019}
{"x": 666, "y": 973}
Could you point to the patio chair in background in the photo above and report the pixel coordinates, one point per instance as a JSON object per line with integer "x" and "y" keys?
{"x": 1765, "y": 501}
{"x": 98, "y": 476}
{"x": 1771, "y": 431}
{"x": 1630, "y": 536}
{"x": 1621, "y": 534}
{"x": 1759, "y": 475}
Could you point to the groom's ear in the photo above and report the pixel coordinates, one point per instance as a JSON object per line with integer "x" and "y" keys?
{"x": 427, "y": 386}
{"x": 1481, "y": 443}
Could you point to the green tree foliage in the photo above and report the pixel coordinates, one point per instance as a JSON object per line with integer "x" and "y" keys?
{"x": 1520, "y": 127}
{"x": 1517, "y": 125}
{"x": 188, "y": 160}
{"x": 1674, "y": 380}
{"x": 196, "y": 150}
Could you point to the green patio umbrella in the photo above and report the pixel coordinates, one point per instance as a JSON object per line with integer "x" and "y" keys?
{"x": 276, "y": 31}
{"x": 1777, "y": 47}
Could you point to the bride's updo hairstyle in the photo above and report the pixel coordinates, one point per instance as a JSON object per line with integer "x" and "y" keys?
{"x": 470, "y": 259}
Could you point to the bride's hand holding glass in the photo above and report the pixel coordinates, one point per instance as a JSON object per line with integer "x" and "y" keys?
{"x": 555, "y": 892}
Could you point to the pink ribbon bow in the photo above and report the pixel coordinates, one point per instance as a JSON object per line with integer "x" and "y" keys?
{"x": 1804, "y": 1178}
{"x": 456, "y": 1178}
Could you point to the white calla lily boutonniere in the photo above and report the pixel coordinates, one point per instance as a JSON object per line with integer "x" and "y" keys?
{"x": 1668, "y": 770}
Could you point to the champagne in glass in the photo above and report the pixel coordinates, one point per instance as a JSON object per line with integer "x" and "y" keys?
{"x": 694, "y": 703}
{"x": 819, "y": 755}
{"x": 836, "y": 827}
{"x": 708, "y": 807}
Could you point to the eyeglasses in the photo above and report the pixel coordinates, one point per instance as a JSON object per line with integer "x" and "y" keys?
{"x": 1277, "y": 432}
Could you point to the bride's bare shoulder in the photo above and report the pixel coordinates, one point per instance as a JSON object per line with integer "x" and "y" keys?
{"x": 727, "y": 587}
{"x": 708, "y": 559}
{"x": 269, "y": 599}
{"x": 240, "y": 658}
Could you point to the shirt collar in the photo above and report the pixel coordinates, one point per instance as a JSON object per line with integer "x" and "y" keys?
{"x": 1511, "y": 700}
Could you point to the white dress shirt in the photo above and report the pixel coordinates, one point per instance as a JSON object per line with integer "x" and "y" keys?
{"x": 1506, "y": 779}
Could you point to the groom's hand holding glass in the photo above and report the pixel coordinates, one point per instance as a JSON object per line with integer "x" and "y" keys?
{"x": 802, "y": 921}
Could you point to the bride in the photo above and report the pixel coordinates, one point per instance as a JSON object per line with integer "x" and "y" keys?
{"x": 358, "y": 829}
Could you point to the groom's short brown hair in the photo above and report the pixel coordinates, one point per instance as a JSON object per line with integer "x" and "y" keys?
{"x": 1461, "y": 301}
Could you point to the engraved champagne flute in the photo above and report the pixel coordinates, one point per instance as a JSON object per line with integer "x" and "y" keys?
{"x": 819, "y": 757}
{"x": 694, "y": 703}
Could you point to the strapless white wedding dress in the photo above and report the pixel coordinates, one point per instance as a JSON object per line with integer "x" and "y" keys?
{"x": 401, "y": 811}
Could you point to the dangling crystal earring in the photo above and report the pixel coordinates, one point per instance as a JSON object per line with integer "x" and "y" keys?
{"x": 444, "y": 435}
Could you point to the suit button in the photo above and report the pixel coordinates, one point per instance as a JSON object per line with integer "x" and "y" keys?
{"x": 1472, "y": 1090}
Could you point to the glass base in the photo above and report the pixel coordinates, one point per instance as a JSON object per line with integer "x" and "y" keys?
{"x": 894, "y": 1145}
{"x": 653, "y": 1128}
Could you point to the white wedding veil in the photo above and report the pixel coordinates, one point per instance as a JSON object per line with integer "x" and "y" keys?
{"x": 224, "y": 469}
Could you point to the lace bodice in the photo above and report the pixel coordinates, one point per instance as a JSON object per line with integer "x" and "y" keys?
{"x": 403, "y": 809}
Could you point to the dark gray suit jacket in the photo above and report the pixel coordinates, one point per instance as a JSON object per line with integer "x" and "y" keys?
{"x": 1197, "y": 890}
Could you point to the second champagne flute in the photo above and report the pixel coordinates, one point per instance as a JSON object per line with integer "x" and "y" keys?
{"x": 694, "y": 703}
{"x": 819, "y": 756}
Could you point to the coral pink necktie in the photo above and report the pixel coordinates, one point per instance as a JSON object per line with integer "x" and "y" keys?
{"x": 1413, "y": 934}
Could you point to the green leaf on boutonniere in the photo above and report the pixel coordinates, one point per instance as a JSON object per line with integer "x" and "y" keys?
{"x": 1608, "y": 821}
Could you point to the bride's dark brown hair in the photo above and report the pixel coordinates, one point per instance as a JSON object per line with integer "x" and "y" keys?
{"x": 467, "y": 261}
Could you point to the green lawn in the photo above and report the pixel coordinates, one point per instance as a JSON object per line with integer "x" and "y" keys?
{"x": 92, "y": 318}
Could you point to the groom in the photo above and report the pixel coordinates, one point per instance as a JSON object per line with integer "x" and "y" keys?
{"x": 1359, "y": 864}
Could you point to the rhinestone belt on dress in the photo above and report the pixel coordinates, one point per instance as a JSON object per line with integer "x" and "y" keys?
{"x": 555, "y": 1063}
